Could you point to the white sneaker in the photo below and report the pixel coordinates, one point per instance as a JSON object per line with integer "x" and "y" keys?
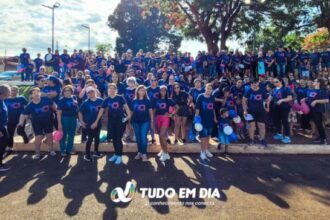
{"x": 163, "y": 157}
{"x": 36, "y": 157}
{"x": 138, "y": 156}
{"x": 113, "y": 158}
{"x": 52, "y": 153}
{"x": 160, "y": 153}
{"x": 202, "y": 155}
{"x": 208, "y": 153}
{"x": 167, "y": 156}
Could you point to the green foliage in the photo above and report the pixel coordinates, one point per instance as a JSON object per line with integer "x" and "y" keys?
{"x": 24, "y": 91}
{"x": 140, "y": 30}
{"x": 105, "y": 48}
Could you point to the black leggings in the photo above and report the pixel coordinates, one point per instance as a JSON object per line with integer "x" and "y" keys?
{"x": 280, "y": 118}
{"x": 317, "y": 118}
{"x": 116, "y": 129}
{"x": 92, "y": 134}
{"x": 3, "y": 142}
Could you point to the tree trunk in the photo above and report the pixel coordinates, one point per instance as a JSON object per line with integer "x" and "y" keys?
{"x": 223, "y": 40}
{"x": 211, "y": 42}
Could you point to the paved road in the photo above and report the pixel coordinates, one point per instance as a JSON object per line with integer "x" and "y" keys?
{"x": 250, "y": 187}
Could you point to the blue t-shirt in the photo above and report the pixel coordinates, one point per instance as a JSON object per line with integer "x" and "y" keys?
{"x": 237, "y": 92}
{"x": 280, "y": 57}
{"x": 129, "y": 96}
{"x": 315, "y": 59}
{"x": 255, "y": 100}
{"x": 281, "y": 93}
{"x": 162, "y": 106}
{"x": 3, "y": 114}
{"x": 301, "y": 93}
{"x": 68, "y": 106}
{"x": 56, "y": 89}
{"x": 115, "y": 106}
{"x": 195, "y": 93}
{"x": 40, "y": 111}
{"x": 15, "y": 107}
{"x": 37, "y": 63}
{"x": 223, "y": 122}
{"x": 316, "y": 94}
{"x": 325, "y": 56}
{"x": 90, "y": 110}
{"x": 206, "y": 110}
{"x": 141, "y": 110}
{"x": 24, "y": 58}
{"x": 65, "y": 58}
{"x": 153, "y": 93}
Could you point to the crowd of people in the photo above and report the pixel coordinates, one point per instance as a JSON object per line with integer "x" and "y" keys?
{"x": 227, "y": 96}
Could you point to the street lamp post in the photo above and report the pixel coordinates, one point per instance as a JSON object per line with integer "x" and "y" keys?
{"x": 89, "y": 35}
{"x": 55, "y": 5}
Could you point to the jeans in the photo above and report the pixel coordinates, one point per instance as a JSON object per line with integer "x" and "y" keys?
{"x": 280, "y": 69}
{"x": 212, "y": 70}
{"x": 141, "y": 130}
{"x": 116, "y": 129}
{"x": 69, "y": 125}
{"x": 3, "y": 142}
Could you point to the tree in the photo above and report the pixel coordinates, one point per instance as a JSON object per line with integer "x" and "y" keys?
{"x": 316, "y": 40}
{"x": 139, "y": 29}
{"x": 104, "y": 48}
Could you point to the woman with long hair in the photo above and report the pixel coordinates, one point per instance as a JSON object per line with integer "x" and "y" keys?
{"x": 142, "y": 120}
{"x": 162, "y": 118}
{"x": 118, "y": 115}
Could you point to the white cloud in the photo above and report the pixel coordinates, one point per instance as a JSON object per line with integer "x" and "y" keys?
{"x": 25, "y": 23}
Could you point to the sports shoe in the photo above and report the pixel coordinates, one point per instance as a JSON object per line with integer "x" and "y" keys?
{"x": 169, "y": 141}
{"x": 97, "y": 155}
{"x": 219, "y": 146}
{"x": 176, "y": 141}
{"x": 52, "y": 153}
{"x": 208, "y": 153}
{"x": 264, "y": 143}
{"x": 250, "y": 142}
{"x": 160, "y": 153}
{"x": 322, "y": 142}
{"x": 286, "y": 140}
{"x": 87, "y": 158}
{"x": 202, "y": 155}
{"x": 144, "y": 158}
{"x": 113, "y": 158}
{"x": 118, "y": 160}
{"x": 138, "y": 156}
{"x": 4, "y": 167}
{"x": 164, "y": 157}
{"x": 63, "y": 154}
{"x": 317, "y": 140}
{"x": 278, "y": 137}
{"x": 36, "y": 157}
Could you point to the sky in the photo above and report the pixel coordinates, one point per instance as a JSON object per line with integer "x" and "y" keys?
{"x": 25, "y": 23}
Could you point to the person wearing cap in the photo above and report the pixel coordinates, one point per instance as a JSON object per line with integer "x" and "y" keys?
{"x": 118, "y": 115}
{"x": 88, "y": 113}
{"x": 4, "y": 94}
{"x": 41, "y": 110}
{"x": 205, "y": 109}
{"x": 253, "y": 105}
{"x": 162, "y": 114}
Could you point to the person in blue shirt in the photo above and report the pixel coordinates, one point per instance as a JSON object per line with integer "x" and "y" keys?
{"x": 142, "y": 120}
{"x": 49, "y": 61}
{"x": 118, "y": 115}
{"x": 88, "y": 113}
{"x": 253, "y": 104}
{"x": 224, "y": 121}
{"x": 163, "y": 115}
{"x": 269, "y": 63}
{"x": 29, "y": 72}
{"x": 64, "y": 62}
{"x": 315, "y": 63}
{"x": 281, "y": 98}
{"x": 153, "y": 94}
{"x": 205, "y": 109}
{"x": 325, "y": 60}
{"x": 24, "y": 60}
{"x": 67, "y": 111}
{"x": 301, "y": 93}
{"x": 15, "y": 105}
{"x": 280, "y": 59}
{"x": 41, "y": 110}
{"x": 291, "y": 62}
{"x": 316, "y": 99}
{"x": 4, "y": 94}
{"x": 38, "y": 62}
